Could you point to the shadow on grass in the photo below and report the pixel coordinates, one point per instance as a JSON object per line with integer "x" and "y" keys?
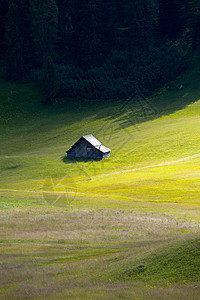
{"x": 68, "y": 160}
{"x": 172, "y": 97}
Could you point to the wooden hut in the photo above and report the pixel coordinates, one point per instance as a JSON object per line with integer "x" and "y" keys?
{"x": 88, "y": 147}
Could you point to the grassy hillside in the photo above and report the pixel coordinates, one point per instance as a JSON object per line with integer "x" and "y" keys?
{"x": 162, "y": 132}
{"x": 166, "y": 265}
{"x": 81, "y": 229}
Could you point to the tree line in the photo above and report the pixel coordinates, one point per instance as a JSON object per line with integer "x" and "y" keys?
{"x": 96, "y": 48}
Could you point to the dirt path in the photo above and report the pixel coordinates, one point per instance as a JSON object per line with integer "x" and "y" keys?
{"x": 110, "y": 174}
{"x": 153, "y": 166}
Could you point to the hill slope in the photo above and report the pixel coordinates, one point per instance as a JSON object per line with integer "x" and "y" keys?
{"x": 155, "y": 145}
{"x": 84, "y": 229}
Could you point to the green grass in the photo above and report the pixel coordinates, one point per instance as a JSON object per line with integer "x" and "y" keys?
{"x": 35, "y": 138}
{"x": 80, "y": 230}
{"x": 176, "y": 262}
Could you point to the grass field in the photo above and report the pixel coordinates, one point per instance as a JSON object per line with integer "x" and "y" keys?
{"x": 126, "y": 227}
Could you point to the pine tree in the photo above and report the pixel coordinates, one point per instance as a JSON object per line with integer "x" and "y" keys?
{"x": 193, "y": 20}
{"x": 18, "y": 41}
{"x": 91, "y": 31}
{"x": 44, "y": 16}
{"x": 13, "y": 40}
{"x": 3, "y": 13}
{"x": 49, "y": 82}
{"x": 65, "y": 32}
{"x": 136, "y": 23}
{"x": 168, "y": 18}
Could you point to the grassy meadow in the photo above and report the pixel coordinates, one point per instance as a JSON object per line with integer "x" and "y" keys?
{"x": 126, "y": 227}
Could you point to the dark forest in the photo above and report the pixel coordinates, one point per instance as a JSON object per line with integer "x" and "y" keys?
{"x": 96, "y": 49}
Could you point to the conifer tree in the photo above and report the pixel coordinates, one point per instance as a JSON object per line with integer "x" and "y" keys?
{"x": 44, "y": 15}
{"x": 4, "y": 5}
{"x": 136, "y": 23}
{"x": 13, "y": 40}
{"x": 168, "y": 18}
{"x": 90, "y": 26}
{"x": 49, "y": 83}
{"x": 18, "y": 40}
{"x": 65, "y": 32}
{"x": 193, "y": 19}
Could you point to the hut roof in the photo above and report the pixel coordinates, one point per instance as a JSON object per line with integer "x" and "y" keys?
{"x": 96, "y": 143}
